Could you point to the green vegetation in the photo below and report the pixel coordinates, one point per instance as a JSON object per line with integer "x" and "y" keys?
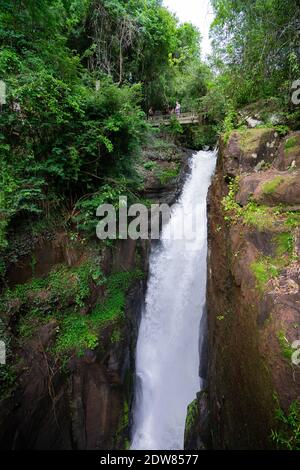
{"x": 252, "y": 214}
{"x": 168, "y": 174}
{"x": 174, "y": 128}
{"x": 61, "y": 297}
{"x": 192, "y": 414}
{"x": 282, "y": 130}
{"x": 260, "y": 216}
{"x": 284, "y": 244}
{"x": 22, "y": 291}
{"x": 285, "y": 346}
{"x": 62, "y": 285}
{"x": 164, "y": 174}
{"x": 80, "y": 78}
{"x": 292, "y": 219}
{"x": 290, "y": 143}
{"x": 150, "y": 166}
{"x": 220, "y": 317}
{"x": 256, "y": 57}
{"x": 266, "y": 267}
{"x": 7, "y": 380}
{"x": 288, "y": 435}
{"x": 78, "y": 333}
{"x": 231, "y": 208}
{"x": 197, "y": 137}
{"x": 255, "y": 49}
{"x": 263, "y": 218}
{"x": 122, "y": 429}
{"x": 229, "y": 123}
{"x": 116, "y": 336}
{"x": 264, "y": 270}
{"x": 250, "y": 138}
{"x": 270, "y": 186}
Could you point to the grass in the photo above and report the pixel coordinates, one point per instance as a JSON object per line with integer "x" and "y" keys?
{"x": 263, "y": 271}
{"x": 270, "y": 186}
{"x": 281, "y": 129}
{"x": 75, "y": 334}
{"x": 290, "y": 143}
{"x": 252, "y": 214}
{"x": 260, "y": 217}
{"x": 284, "y": 244}
{"x": 62, "y": 283}
{"x": 284, "y": 249}
{"x": 267, "y": 268}
{"x": 264, "y": 218}
{"x": 292, "y": 146}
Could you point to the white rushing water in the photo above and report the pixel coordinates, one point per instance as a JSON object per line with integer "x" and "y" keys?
{"x": 167, "y": 356}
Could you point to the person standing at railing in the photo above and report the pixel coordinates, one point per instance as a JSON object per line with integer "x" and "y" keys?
{"x": 150, "y": 113}
{"x": 178, "y": 109}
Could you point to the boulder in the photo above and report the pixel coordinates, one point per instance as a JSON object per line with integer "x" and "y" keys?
{"x": 246, "y": 149}
{"x": 270, "y": 188}
{"x": 289, "y": 152}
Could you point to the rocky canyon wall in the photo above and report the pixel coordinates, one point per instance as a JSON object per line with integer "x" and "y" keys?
{"x": 253, "y": 296}
{"x": 70, "y": 311}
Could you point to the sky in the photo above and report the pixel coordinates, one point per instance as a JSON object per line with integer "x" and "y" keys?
{"x": 198, "y": 12}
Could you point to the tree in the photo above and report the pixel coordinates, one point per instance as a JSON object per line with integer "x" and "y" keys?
{"x": 256, "y": 47}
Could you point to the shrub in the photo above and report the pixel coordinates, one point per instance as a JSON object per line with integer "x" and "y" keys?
{"x": 288, "y": 436}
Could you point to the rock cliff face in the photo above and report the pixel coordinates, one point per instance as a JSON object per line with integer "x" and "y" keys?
{"x": 71, "y": 400}
{"x": 56, "y": 394}
{"x": 253, "y": 296}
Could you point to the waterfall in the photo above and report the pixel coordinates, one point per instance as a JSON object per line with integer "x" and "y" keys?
{"x": 167, "y": 355}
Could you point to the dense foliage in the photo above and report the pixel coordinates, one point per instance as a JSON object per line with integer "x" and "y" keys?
{"x": 256, "y": 48}
{"x": 80, "y": 76}
{"x": 63, "y": 138}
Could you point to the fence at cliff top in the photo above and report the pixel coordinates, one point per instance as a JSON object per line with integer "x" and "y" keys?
{"x": 165, "y": 119}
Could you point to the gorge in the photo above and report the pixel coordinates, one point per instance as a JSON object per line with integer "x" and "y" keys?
{"x": 190, "y": 342}
{"x": 167, "y": 356}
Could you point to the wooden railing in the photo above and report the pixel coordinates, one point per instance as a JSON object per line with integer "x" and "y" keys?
{"x": 164, "y": 119}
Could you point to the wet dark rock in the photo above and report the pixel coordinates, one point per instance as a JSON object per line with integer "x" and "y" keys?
{"x": 197, "y": 431}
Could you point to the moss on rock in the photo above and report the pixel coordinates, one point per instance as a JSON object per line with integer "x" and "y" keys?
{"x": 270, "y": 186}
{"x": 192, "y": 414}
